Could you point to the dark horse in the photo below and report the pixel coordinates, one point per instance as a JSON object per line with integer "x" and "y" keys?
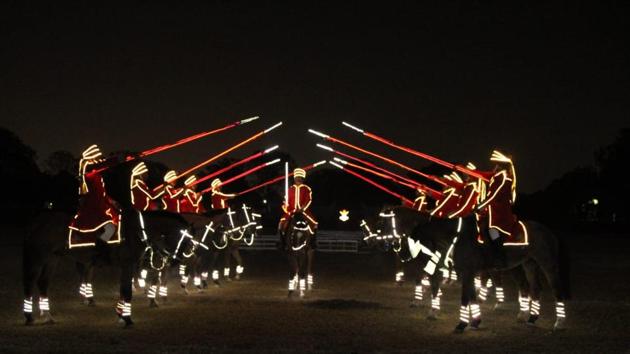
{"x": 297, "y": 244}
{"x": 540, "y": 255}
{"x": 158, "y": 231}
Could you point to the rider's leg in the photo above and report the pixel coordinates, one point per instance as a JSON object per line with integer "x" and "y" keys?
{"x": 496, "y": 244}
{"x": 108, "y": 232}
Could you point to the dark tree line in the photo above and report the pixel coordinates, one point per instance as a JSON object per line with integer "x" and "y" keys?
{"x": 594, "y": 195}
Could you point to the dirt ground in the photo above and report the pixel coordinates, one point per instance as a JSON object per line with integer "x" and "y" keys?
{"x": 356, "y": 307}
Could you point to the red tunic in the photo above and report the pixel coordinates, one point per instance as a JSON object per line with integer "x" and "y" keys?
{"x": 95, "y": 207}
{"x": 142, "y": 198}
{"x": 219, "y": 200}
{"x": 446, "y": 204}
{"x": 498, "y": 203}
{"x": 170, "y": 199}
{"x": 467, "y": 200}
{"x": 300, "y": 196}
{"x": 191, "y": 202}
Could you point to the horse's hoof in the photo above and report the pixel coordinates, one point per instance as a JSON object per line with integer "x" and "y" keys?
{"x": 460, "y": 327}
{"x": 204, "y": 284}
{"x": 199, "y": 290}
{"x": 91, "y": 302}
{"x": 414, "y": 304}
{"x": 237, "y": 277}
{"x": 164, "y": 299}
{"x": 29, "y": 321}
{"x": 432, "y": 315}
{"x": 290, "y": 294}
{"x": 522, "y": 316}
{"x": 185, "y": 291}
{"x": 128, "y": 321}
{"x": 228, "y": 279}
{"x": 475, "y": 323}
{"x": 153, "y": 304}
{"x": 531, "y": 321}
{"x": 499, "y": 306}
{"x": 400, "y": 283}
{"x": 560, "y": 325}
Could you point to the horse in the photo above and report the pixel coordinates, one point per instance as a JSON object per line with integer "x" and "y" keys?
{"x": 157, "y": 231}
{"x": 297, "y": 240}
{"x": 420, "y": 233}
{"x": 243, "y": 229}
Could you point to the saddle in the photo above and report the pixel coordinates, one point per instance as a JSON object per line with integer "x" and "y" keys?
{"x": 517, "y": 237}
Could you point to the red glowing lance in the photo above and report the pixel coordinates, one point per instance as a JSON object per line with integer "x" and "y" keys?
{"x": 434, "y": 194}
{"x": 243, "y": 174}
{"x": 386, "y": 159}
{"x": 237, "y": 163}
{"x": 452, "y": 166}
{"x": 227, "y": 151}
{"x": 189, "y": 139}
{"x": 396, "y": 177}
{"x": 377, "y": 185}
{"x": 280, "y": 178}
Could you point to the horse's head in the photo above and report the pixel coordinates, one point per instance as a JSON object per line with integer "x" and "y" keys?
{"x": 372, "y": 233}
{"x": 250, "y": 224}
{"x": 299, "y": 232}
{"x": 399, "y": 225}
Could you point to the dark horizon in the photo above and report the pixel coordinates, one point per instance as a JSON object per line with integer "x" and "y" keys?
{"x": 545, "y": 83}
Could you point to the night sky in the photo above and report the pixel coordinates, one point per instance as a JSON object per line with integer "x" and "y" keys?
{"x": 546, "y": 83}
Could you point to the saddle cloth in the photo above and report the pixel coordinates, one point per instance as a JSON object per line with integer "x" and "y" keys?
{"x": 77, "y": 238}
{"x": 518, "y": 237}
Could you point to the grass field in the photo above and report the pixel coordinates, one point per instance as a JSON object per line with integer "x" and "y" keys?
{"x": 355, "y": 307}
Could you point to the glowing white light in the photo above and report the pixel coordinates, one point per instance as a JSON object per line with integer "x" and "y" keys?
{"x": 352, "y": 127}
{"x": 499, "y": 294}
{"x": 215, "y": 275}
{"x": 28, "y": 305}
{"x": 343, "y": 215}
{"x": 163, "y": 291}
{"x": 560, "y": 310}
{"x": 239, "y": 269}
{"x": 152, "y": 292}
{"x": 435, "y": 303}
{"x": 418, "y": 293}
{"x": 44, "y": 305}
{"x": 226, "y": 272}
{"x": 321, "y": 135}
{"x": 247, "y": 120}
{"x": 325, "y": 147}
{"x": 271, "y": 149}
{"x": 272, "y": 128}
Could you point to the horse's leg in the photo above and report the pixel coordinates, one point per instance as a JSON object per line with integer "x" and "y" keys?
{"x": 154, "y": 281}
{"x": 89, "y": 292}
{"x": 532, "y": 274}
{"x": 42, "y": 285}
{"x": 163, "y": 276}
{"x": 302, "y": 271}
{"x": 496, "y": 280}
{"x": 183, "y": 276}
{"x": 239, "y": 262}
{"x": 480, "y": 285}
{"x": 126, "y": 273}
{"x": 518, "y": 274}
{"x": 227, "y": 262}
{"x": 468, "y": 304}
{"x": 549, "y": 264}
{"x": 202, "y": 266}
{"x": 435, "y": 280}
{"x": 214, "y": 260}
{"x": 418, "y": 295}
{"x": 81, "y": 270}
{"x": 400, "y": 271}
{"x": 31, "y": 269}
{"x": 310, "y": 280}
{"x": 293, "y": 273}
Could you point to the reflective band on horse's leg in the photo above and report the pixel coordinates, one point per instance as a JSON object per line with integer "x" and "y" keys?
{"x": 477, "y": 282}
{"x": 453, "y": 275}
{"x": 44, "y": 305}
{"x": 88, "y": 290}
{"x": 483, "y": 293}
{"x": 475, "y": 310}
{"x": 499, "y": 294}
{"x": 126, "y": 312}
{"x": 435, "y": 303}
{"x": 152, "y": 292}
{"x": 419, "y": 293}
{"x": 182, "y": 269}
{"x": 215, "y": 275}
{"x": 464, "y": 313}
{"x": 163, "y": 291}
{"x": 523, "y": 303}
{"x": 82, "y": 289}
{"x": 239, "y": 269}
{"x": 560, "y": 311}
{"x": 534, "y": 308}
{"x": 399, "y": 276}
{"x": 197, "y": 281}
{"x": 309, "y": 279}
{"x": 28, "y": 305}
{"x": 226, "y": 272}
{"x": 204, "y": 275}
{"x": 184, "y": 280}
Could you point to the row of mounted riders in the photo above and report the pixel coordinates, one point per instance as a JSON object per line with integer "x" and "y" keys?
{"x": 471, "y": 229}
{"x": 151, "y": 238}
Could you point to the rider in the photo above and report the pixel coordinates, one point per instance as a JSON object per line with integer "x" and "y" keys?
{"x": 97, "y": 211}
{"x": 170, "y": 198}
{"x": 191, "y": 200}
{"x": 447, "y": 203}
{"x": 299, "y": 200}
{"x": 498, "y": 203}
{"x": 142, "y": 197}
{"x": 468, "y": 194}
{"x": 220, "y": 200}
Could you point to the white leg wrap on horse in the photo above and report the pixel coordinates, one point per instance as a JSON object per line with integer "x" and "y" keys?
{"x": 204, "y": 275}
{"x": 152, "y": 292}
{"x": 399, "y": 276}
{"x": 197, "y": 281}
{"x": 182, "y": 270}
{"x": 464, "y": 313}
{"x": 126, "y": 311}
{"x": 435, "y": 303}
{"x": 215, "y": 275}
{"x": 142, "y": 283}
{"x": 291, "y": 284}
{"x": 425, "y": 282}
{"x": 44, "y": 305}
{"x": 560, "y": 310}
{"x": 534, "y": 308}
{"x": 453, "y": 275}
{"x": 310, "y": 280}
{"x": 302, "y": 284}
{"x": 483, "y": 293}
{"x": 419, "y": 293}
{"x": 523, "y": 303}
{"x": 475, "y": 311}
{"x": 499, "y": 294}
{"x": 445, "y": 273}
{"x": 184, "y": 280}
{"x": 489, "y": 283}
{"x": 239, "y": 270}
{"x": 28, "y": 305}
{"x": 163, "y": 291}
{"x": 226, "y": 272}
{"x": 477, "y": 282}
{"x": 88, "y": 290}
{"x": 82, "y": 289}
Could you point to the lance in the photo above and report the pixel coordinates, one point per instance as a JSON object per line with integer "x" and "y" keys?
{"x": 432, "y": 192}
{"x": 237, "y": 163}
{"x": 280, "y": 178}
{"x": 227, "y": 151}
{"x": 386, "y": 159}
{"x": 452, "y": 166}
{"x": 377, "y": 185}
{"x": 375, "y": 167}
{"x": 286, "y": 184}
{"x": 243, "y": 174}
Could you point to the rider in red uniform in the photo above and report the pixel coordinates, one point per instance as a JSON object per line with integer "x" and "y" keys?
{"x": 468, "y": 195}
{"x": 447, "y": 203}
{"x": 299, "y": 200}
{"x": 142, "y": 197}
{"x": 498, "y": 203}
{"x": 191, "y": 200}
{"x": 171, "y": 196}
{"x": 97, "y": 211}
